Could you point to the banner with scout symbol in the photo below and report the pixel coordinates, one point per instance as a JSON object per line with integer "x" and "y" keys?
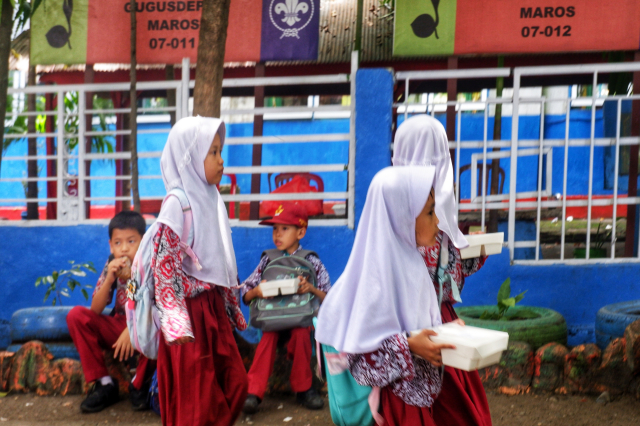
{"x": 290, "y": 29}
{"x": 98, "y": 31}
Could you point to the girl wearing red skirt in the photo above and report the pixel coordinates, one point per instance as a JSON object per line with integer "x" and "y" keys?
{"x": 384, "y": 295}
{"x": 201, "y": 377}
{"x": 422, "y": 141}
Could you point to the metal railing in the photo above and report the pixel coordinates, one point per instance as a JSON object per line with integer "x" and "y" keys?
{"x": 540, "y": 204}
{"x": 71, "y": 199}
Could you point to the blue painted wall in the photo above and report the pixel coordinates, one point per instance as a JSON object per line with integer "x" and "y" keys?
{"x": 30, "y": 252}
{"x": 575, "y": 291}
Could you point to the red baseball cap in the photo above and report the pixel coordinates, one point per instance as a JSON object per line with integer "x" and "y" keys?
{"x": 288, "y": 213}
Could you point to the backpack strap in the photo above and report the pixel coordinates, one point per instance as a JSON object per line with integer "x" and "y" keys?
{"x": 187, "y": 237}
{"x": 272, "y": 254}
{"x": 304, "y": 253}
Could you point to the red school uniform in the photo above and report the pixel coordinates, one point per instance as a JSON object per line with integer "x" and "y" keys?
{"x": 92, "y": 333}
{"x": 298, "y": 346}
{"x": 202, "y": 382}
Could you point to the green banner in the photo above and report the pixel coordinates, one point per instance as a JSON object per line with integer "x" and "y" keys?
{"x": 424, "y": 27}
{"x": 59, "y": 32}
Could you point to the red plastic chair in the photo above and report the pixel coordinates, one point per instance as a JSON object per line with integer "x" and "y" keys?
{"x": 283, "y": 178}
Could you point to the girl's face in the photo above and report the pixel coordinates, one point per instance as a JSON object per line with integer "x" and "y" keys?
{"x": 213, "y": 162}
{"x": 427, "y": 224}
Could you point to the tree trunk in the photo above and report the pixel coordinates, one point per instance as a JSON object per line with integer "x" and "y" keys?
{"x": 210, "y": 69}
{"x": 134, "y": 114}
{"x": 6, "y": 20}
{"x": 169, "y": 74}
{"x": 32, "y": 150}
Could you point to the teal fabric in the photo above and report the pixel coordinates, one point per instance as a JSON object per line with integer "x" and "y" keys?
{"x": 348, "y": 401}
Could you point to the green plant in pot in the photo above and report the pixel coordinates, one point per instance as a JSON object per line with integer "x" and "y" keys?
{"x": 597, "y": 251}
{"x": 534, "y": 325}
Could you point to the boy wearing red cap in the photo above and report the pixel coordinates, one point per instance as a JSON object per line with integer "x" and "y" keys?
{"x": 289, "y": 227}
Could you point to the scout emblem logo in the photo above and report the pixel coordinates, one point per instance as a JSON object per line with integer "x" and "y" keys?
{"x": 424, "y": 25}
{"x": 290, "y": 16}
{"x": 279, "y": 210}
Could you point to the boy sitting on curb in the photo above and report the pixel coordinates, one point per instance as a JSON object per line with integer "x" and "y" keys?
{"x": 92, "y": 332}
{"x": 289, "y": 227}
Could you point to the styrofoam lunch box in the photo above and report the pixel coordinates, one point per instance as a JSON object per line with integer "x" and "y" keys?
{"x": 280, "y": 287}
{"x": 475, "y": 347}
{"x": 483, "y": 245}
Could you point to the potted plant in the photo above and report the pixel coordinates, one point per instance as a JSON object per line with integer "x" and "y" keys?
{"x": 597, "y": 251}
{"x": 534, "y": 325}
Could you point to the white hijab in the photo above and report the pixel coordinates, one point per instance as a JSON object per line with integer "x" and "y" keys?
{"x": 182, "y": 165}
{"x": 383, "y": 290}
{"x": 422, "y": 141}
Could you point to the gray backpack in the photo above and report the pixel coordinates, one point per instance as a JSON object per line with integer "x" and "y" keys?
{"x": 291, "y": 311}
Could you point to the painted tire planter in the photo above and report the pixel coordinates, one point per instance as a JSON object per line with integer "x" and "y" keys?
{"x": 57, "y": 349}
{"x": 549, "y": 327}
{"x": 612, "y": 320}
{"x": 47, "y": 324}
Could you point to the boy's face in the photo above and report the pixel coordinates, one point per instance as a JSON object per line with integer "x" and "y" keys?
{"x": 124, "y": 242}
{"x": 287, "y": 237}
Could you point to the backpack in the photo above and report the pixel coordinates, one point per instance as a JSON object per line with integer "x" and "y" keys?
{"x": 291, "y": 311}
{"x": 348, "y": 401}
{"x": 143, "y": 318}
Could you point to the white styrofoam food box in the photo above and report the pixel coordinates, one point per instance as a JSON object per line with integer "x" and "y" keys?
{"x": 482, "y": 245}
{"x": 280, "y": 287}
{"x": 475, "y": 347}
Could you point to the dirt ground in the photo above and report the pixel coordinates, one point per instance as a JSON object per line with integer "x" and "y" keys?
{"x": 521, "y": 410}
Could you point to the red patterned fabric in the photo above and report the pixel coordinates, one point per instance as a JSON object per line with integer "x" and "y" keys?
{"x": 173, "y": 287}
{"x": 120, "y": 287}
{"x": 412, "y": 379}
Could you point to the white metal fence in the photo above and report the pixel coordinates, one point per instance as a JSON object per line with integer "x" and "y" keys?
{"x": 531, "y": 206}
{"x": 71, "y": 127}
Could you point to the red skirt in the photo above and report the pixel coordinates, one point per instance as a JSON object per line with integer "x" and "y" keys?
{"x": 203, "y": 382}
{"x": 396, "y": 412}
{"x": 462, "y": 401}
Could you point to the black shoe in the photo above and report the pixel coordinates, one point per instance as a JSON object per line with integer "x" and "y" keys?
{"x": 139, "y": 398}
{"x": 251, "y": 404}
{"x": 310, "y": 399}
{"x": 100, "y": 397}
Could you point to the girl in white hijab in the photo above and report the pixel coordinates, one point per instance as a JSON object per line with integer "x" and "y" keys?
{"x": 422, "y": 141}
{"x": 384, "y": 294}
{"x": 201, "y": 377}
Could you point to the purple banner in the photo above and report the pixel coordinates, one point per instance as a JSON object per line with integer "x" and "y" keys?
{"x": 290, "y": 30}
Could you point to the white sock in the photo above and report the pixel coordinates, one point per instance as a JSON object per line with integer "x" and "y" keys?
{"x": 106, "y": 380}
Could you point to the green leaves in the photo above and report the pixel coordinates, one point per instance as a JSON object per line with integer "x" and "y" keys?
{"x": 505, "y": 290}
{"x": 61, "y": 283}
{"x": 505, "y": 301}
